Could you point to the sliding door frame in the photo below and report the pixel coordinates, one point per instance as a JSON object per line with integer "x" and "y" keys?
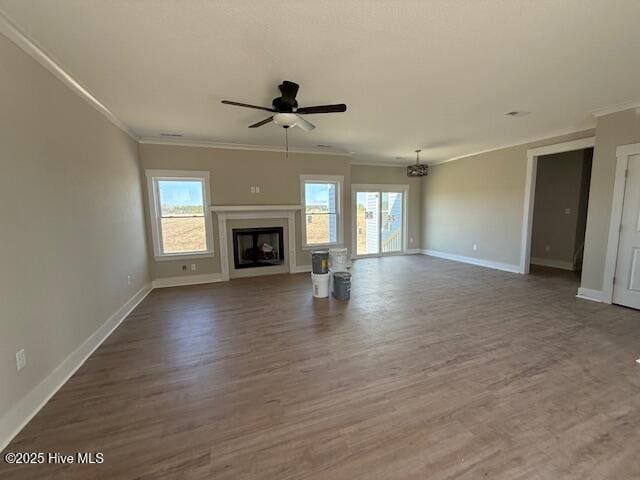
{"x": 379, "y": 188}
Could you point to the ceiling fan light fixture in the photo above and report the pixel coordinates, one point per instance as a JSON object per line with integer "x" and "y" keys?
{"x": 419, "y": 169}
{"x": 285, "y": 120}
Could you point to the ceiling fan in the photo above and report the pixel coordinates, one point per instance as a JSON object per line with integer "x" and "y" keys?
{"x": 286, "y": 111}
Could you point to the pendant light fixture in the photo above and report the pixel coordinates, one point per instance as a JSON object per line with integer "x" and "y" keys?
{"x": 417, "y": 170}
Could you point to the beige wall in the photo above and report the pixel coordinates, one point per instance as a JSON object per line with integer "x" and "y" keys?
{"x": 479, "y": 200}
{"x": 611, "y": 131}
{"x": 233, "y": 172}
{"x": 558, "y": 187}
{"x": 396, "y": 176}
{"x": 71, "y": 223}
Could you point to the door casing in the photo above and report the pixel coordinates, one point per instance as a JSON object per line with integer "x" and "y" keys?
{"x": 360, "y": 187}
{"x": 623, "y": 153}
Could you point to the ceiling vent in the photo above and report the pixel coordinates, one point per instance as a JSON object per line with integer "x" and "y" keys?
{"x": 517, "y": 113}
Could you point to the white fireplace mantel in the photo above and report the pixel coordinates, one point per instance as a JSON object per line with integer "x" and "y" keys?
{"x": 255, "y": 208}
{"x": 234, "y": 212}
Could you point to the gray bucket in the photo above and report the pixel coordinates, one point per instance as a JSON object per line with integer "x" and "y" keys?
{"x": 320, "y": 261}
{"x": 342, "y": 285}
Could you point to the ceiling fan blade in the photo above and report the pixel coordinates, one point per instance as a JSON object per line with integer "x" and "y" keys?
{"x": 238, "y": 104}
{"x": 289, "y": 91}
{"x": 340, "y": 107}
{"x": 263, "y": 122}
{"x": 304, "y": 125}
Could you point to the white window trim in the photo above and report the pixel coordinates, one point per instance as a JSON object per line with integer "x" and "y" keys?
{"x": 339, "y": 181}
{"x": 152, "y": 178}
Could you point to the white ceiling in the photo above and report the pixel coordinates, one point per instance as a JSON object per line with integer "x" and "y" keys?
{"x": 437, "y": 74}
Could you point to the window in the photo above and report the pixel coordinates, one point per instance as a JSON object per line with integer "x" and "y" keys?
{"x": 180, "y": 220}
{"x": 322, "y": 209}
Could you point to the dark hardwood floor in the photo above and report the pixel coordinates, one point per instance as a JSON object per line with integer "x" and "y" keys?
{"x": 434, "y": 369}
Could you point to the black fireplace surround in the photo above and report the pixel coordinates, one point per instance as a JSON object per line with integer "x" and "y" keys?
{"x": 258, "y": 247}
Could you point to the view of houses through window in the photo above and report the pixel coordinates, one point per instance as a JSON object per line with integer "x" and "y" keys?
{"x": 379, "y": 217}
{"x": 321, "y": 212}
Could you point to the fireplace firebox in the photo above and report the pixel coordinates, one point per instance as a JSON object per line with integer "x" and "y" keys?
{"x": 258, "y": 247}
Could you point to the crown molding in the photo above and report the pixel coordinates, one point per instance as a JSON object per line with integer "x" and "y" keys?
{"x": 380, "y": 164}
{"x": 549, "y": 136}
{"x": 236, "y": 146}
{"x": 9, "y": 29}
{"x": 620, "y": 107}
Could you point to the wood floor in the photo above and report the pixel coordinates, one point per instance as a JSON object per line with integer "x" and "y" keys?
{"x": 433, "y": 370}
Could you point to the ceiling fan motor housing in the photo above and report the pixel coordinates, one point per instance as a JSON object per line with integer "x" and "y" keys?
{"x": 282, "y": 106}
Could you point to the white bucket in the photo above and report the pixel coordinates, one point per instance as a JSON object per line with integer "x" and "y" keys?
{"x": 338, "y": 259}
{"x": 320, "y": 283}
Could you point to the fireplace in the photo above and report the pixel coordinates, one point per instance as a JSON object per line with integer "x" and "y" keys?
{"x": 258, "y": 247}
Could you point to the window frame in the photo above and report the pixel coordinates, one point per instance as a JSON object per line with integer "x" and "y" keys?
{"x": 155, "y": 176}
{"x": 338, "y": 180}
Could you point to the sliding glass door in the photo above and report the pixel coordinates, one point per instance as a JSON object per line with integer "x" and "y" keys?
{"x": 368, "y": 223}
{"x": 391, "y": 226}
{"x": 379, "y": 220}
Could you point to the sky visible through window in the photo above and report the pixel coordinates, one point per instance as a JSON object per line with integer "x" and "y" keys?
{"x": 317, "y": 194}
{"x": 180, "y": 193}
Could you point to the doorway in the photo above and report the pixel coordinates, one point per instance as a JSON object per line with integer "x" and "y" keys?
{"x": 560, "y": 211}
{"x": 379, "y": 219}
{"x": 530, "y": 191}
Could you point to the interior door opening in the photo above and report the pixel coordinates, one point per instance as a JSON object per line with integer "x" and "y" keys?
{"x": 560, "y": 212}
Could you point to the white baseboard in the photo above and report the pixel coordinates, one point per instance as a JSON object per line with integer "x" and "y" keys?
{"x": 187, "y": 280}
{"x": 301, "y": 269}
{"x": 506, "y": 267}
{"x": 589, "y": 294}
{"x": 410, "y": 251}
{"x": 549, "y": 262}
{"x": 16, "y": 418}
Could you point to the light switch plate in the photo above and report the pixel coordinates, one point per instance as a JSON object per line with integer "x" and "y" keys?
{"x": 21, "y": 360}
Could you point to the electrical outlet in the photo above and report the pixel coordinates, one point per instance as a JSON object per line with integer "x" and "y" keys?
{"x": 21, "y": 360}
{"x": 252, "y": 189}
{"x": 129, "y": 279}
{"x": 193, "y": 267}
{"x": 567, "y": 211}
{"x": 475, "y": 246}
{"x": 411, "y": 240}
{"x": 257, "y": 189}
{"x": 547, "y": 248}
